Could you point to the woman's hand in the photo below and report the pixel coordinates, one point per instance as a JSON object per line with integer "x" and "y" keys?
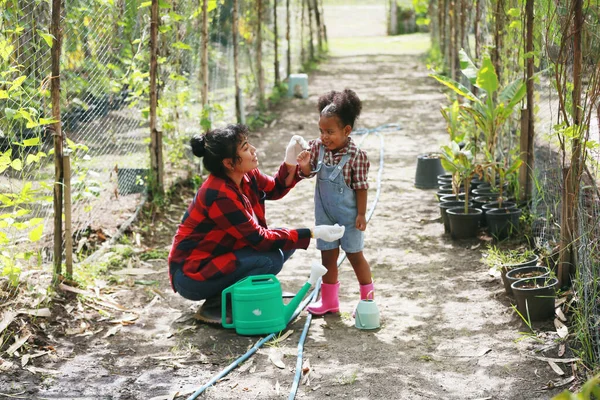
{"x": 296, "y": 145}
{"x": 361, "y": 222}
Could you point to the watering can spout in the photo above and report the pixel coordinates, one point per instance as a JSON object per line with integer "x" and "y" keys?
{"x": 316, "y": 271}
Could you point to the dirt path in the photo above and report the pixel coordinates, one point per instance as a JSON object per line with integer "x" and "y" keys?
{"x": 448, "y": 331}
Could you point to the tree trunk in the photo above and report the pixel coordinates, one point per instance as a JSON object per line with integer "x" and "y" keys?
{"x": 477, "y": 28}
{"x": 323, "y": 26}
{"x": 276, "y": 41}
{"x": 156, "y": 159}
{"x": 498, "y": 36}
{"x": 311, "y": 46}
{"x": 569, "y": 224}
{"x": 204, "y": 60}
{"x": 318, "y": 23}
{"x": 393, "y": 27}
{"x": 452, "y": 41}
{"x": 302, "y": 23}
{"x": 259, "y": 68}
{"x": 58, "y": 137}
{"x": 239, "y": 113}
{"x": 288, "y": 38}
{"x": 527, "y": 155}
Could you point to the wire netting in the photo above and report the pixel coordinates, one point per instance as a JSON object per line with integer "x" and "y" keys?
{"x": 105, "y": 84}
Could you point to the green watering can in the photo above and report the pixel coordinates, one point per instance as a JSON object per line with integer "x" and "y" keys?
{"x": 256, "y": 303}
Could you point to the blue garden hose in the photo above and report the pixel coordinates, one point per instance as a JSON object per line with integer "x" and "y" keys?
{"x": 313, "y": 295}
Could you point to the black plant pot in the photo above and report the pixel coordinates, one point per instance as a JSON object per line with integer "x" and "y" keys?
{"x": 429, "y": 166}
{"x": 453, "y": 197}
{"x": 464, "y": 226}
{"x": 503, "y": 222}
{"x": 509, "y": 267}
{"x": 531, "y": 271}
{"x": 496, "y": 204}
{"x": 440, "y": 193}
{"x": 449, "y": 187}
{"x": 535, "y": 297}
{"x": 484, "y": 192}
{"x": 445, "y": 205}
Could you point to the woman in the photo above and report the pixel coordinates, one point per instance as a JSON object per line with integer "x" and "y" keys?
{"x": 223, "y": 236}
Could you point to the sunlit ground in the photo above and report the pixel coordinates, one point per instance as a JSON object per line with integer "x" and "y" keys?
{"x": 404, "y": 44}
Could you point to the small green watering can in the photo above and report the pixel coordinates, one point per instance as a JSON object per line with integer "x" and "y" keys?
{"x": 256, "y": 303}
{"x": 367, "y": 313}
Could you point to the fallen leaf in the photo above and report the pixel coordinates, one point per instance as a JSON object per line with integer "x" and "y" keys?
{"x": 24, "y": 360}
{"x": 282, "y": 337}
{"x": 561, "y": 349}
{"x": 561, "y": 329}
{"x": 19, "y": 341}
{"x": 36, "y": 370}
{"x": 7, "y": 318}
{"x": 41, "y": 312}
{"x": 126, "y": 320}
{"x": 137, "y": 271}
{"x": 560, "y": 314}
{"x": 112, "y": 331}
{"x": 556, "y": 360}
{"x": 559, "y": 382}
{"x": 277, "y": 387}
{"x": 556, "y": 368}
{"x": 245, "y": 366}
{"x": 276, "y": 357}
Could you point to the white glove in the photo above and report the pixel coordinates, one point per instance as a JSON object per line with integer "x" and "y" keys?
{"x": 294, "y": 147}
{"x": 328, "y": 233}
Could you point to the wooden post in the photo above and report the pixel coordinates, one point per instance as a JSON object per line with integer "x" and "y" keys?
{"x": 311, "y": 45}
{"x": 68, "y": 227}
{"x": 477, "y": 27}
{"x": 58, "y": 137}
{"x": 302, "y": 23}
{"x": 276, "y": 42}
{"x": 393, "y": 26}
{"x": 323, "y": 26}
{"x": 156, "y": 159}
{"x": 498, "y": 36}
{"x": 288, "y": 38}
{"x": 452, "y": 41}
{"x": 523, "y": 154}
{"x": 259, "y": 67}
{"x": 318, "y": 22}
{"x": 204, "y": 59}
{"x": 239, "y": 113}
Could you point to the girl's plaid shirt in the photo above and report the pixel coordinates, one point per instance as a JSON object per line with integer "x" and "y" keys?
{"x": 355, "y": 171}
{"x": 223, "y": 218}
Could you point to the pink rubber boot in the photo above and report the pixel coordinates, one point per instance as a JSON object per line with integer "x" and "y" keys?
{"x": 329, "y": 302}
{"x": 367, "y": 292}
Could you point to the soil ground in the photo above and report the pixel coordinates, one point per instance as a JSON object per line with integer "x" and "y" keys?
{"x": 448, "y": 331}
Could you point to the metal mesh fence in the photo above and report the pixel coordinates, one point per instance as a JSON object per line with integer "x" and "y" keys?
{"x": 104, "y": 111}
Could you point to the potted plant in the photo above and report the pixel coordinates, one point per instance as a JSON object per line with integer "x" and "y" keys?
{"x": 535, "y": 297}
{"x": 502, "y": 261}
{"x": 491, "y": 108}
{"x": 464, "y": 221}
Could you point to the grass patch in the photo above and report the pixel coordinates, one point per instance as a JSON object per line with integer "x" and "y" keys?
{"x": 416, "y": 43}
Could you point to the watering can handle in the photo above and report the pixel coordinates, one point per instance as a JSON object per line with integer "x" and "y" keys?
{"x": 224, "y": 309}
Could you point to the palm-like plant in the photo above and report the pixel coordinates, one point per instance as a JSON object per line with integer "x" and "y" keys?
{"x": 493, "y": 106}
{"x": 462, "y": 165}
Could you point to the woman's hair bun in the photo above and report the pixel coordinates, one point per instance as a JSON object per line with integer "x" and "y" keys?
{"x": 198, "y": 145}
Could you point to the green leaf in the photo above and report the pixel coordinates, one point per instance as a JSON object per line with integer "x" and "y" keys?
{"x": 47, "y": 121}
{"x": 457, "y": 87}
{"x": 10, "y": 113}
{"x": 3, "y": 94}
{"x": 514, "y": 12}
{"x": 145, "y": 4}
{"x": 181, "y": 45}
{"x": 17, "y": 83}
{"x": 163, "y": 4}
{"x": 17, "y": 164}
{"x": 487, "y": 79}
{"x": 48, "y": 38}
{"x": 31, "y": 142}
{"x": 36, "y": 233}
{"x": 467, "y": 66}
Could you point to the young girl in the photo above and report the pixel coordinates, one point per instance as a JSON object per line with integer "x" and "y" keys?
{"x": 340, "y": 193}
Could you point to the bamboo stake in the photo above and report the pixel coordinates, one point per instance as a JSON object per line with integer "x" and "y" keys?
{"x": 276, "y": 42}
{"x": 156, "y": 159}
{"x": 288, "y": 38}
{"x": 239, "y": 113}
{"x": 58, "y": 137}
{"x": 259, "y": 71}
{"x": 527, "y": 168}
{"x": 68, "y": 224}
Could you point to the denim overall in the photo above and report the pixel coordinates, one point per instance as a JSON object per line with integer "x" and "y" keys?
{"x": 335, "y": 203}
